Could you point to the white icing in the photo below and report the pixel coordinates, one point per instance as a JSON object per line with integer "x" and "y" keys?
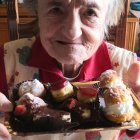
{"x": 132, "y": 123}
{"x": 28, "y": 97}
{"x": 107, "y": 73}
{"x": 34, "y": 87}
{"x": 120, "y": 108}
{"x": 37, "y": 87}
{"x": 115, "y": 83}
{"x": 68, "y": 89}
{"x": 66, "y": 117}
{"x": 123, "y": 92}
{"x": 25, "y": 87}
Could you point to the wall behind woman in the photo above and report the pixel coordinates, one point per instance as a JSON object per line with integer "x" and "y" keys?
{"x": 20, "y": 1}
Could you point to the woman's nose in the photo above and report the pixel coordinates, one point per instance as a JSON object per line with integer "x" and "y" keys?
{"x": 72, "y": 26}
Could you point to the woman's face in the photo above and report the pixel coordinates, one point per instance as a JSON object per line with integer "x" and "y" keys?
{"x": 71, "y": 30}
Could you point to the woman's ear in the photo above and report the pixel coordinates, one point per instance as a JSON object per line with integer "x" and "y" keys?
{"x": 114, "y": 12}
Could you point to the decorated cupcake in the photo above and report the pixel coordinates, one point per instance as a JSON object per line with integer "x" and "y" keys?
{"x": 61, "y": 90}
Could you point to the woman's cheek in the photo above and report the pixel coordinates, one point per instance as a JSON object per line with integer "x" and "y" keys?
{"x": 93, "y": 36}
{"x": 93, "y": 32}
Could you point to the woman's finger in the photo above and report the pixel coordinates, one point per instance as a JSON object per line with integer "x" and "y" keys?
{"x": 5, "y": 104}
{"x": 134, "y": 73}
{"x": 134, "y": 78}
{"x": 4, "y": 134}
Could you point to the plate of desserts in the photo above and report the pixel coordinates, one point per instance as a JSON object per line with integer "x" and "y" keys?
{"x": 65, "y": 106}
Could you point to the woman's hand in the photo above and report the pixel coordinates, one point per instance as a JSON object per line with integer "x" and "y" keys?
{"x": 4, "y": 134}
{"x": 5, "y": 106}
{"x": 134, "y": 77}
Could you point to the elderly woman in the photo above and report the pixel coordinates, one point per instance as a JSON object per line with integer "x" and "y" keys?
{"x": 69, "y": 46}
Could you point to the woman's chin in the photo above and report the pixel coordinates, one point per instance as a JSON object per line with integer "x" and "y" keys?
{"x": 69, "y": 60}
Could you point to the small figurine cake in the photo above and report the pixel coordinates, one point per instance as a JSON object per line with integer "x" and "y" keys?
{"x": 61, "y": 90}
{"x": 28, "y": 104}
{"x": 117, "y": 97}
{"x": 119, "y": 104}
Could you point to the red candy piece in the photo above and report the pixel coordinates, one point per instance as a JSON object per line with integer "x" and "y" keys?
{"x": 88, "y": 91}
{"x": 20, "y": 110}
{"x": 72, "y": 103}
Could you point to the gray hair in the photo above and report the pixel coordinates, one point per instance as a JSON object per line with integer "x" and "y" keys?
{"x": 114, "y": 12}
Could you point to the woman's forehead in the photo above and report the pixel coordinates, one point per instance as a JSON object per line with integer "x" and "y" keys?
{"x": 98, "y": 3}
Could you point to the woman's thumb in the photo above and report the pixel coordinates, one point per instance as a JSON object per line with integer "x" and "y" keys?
{"x": 4, "y": 134}
{"x": 134, "y": 73}
{"x": 5, "y": 104}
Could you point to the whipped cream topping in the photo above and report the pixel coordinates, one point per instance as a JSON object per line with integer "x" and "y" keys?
{"x": 120, "y": 108}
{"x": 66, "y": 118}
{"x": 116, "y": 82}
{"x": 37, "y": 87}
{"x": 25, "y": 87}
{"x": 34, "y": 87}
{"x": 68, "y": 88}
{"x": 29, "y": 98}
{"x": 108, "y": 73}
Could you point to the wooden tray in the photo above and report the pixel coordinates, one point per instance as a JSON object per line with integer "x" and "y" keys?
{"x": 134, "y": 124}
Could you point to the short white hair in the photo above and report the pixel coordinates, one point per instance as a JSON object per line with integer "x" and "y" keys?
{"x": 113, "y": 14}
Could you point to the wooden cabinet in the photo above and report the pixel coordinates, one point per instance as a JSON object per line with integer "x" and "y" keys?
{"x": 126, "y": 33}
{"x": 24, "y": 17}
{"x": 4, "y": 36}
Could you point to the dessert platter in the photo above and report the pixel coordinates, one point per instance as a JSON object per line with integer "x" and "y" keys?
{"x": 63, "y": 106}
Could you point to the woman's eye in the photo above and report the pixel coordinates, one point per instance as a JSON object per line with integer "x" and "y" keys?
{"x": 90, "y": 13}
{"x": 55, "y": 10}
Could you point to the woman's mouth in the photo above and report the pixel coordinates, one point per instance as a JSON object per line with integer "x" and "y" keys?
{"x": 68, "y": 43}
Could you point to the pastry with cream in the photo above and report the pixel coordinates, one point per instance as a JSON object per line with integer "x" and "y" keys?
{"x": 109, "y": 79}
{"x": 118, "y": 104}
{"x": 61, "y": 90}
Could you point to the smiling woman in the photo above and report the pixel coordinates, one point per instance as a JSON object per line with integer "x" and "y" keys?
{"x": 70, "y": 47}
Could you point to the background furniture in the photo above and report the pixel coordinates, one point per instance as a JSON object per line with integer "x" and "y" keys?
{"x": 21, "y": 23}
{"x": 12, "y": 27}
{"x": 4, "y": 35}
{"x": 124, "y": 35}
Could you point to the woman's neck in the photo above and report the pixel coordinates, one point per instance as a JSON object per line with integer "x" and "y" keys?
{"x": 70, "y": 70}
